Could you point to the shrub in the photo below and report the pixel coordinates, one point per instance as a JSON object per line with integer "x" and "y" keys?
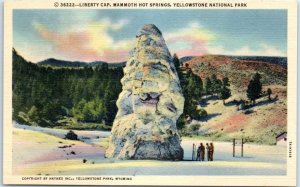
{"x": 202, "y": 113}
{"x": 181, "y": 122}
{"x": 194, "y": 127}
{"x": 71, "y": 136}
{"x": 248, "y": 112}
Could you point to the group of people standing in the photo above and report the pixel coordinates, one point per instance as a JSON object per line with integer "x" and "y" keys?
{"x": 209, "y": 151}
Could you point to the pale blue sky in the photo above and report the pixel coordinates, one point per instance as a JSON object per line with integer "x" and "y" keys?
{"x": 90, "y": 35}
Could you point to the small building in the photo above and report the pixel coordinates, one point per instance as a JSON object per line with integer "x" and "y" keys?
{"x": 281, "y": 139}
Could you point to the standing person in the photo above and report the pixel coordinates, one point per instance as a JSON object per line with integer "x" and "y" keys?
{"x": 202, "y": 152}
{"x": 193, "y": 152}
{"x": 211, "y": 151}
{"x": 198, "y": 154}
{"x": 208, "y": 152}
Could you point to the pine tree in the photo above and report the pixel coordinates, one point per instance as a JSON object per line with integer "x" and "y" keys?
{"x": 181, "y": 122}
{"x": 225, "y": 81}
{"x": 216, "y": 84}
{"x": 192, "y": 90}
{"x": 199, "y": 86}
{"x": 178, "y": 69}
{"x": 194, "y": 86}
{"x": 176, "y": 61}
{"x": 225, "y": 92}
{"x": 208, "y": 86}
{"x": 254, "y": 88}
{"x": 188, "y": 92}
{"x": 33, "y": 114}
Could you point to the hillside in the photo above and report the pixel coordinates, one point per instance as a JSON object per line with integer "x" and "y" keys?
{"x": 274, "y": 60}
{"x": 63, "y": 63}
{"x": 239, "y": 71}
{"x": 261, "y": 123}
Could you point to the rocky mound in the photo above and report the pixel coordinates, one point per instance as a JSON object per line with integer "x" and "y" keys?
{"x": 150, "y": 103}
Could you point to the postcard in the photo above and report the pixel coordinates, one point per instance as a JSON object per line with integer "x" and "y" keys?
{"x": 177, "y": 93}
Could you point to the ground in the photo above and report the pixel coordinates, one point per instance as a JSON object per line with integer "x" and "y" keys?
{"x": 260, "y": 124}
{"x": 42, "y": 151}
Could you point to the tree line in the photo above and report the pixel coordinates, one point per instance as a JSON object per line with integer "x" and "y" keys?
{"x": 194, "y": 89}
{"x": 57, "y": 97}
{"x": 49, "y": 97}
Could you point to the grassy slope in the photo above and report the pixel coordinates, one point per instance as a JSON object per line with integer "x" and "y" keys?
{"x": 265, "y": 121}
{"x": 238, "y": 71}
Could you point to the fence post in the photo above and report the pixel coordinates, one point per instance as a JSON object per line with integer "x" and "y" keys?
{"x": 242, "y": 154}
{"x": 193, "y": 152}
{"x": 233, "y": 145}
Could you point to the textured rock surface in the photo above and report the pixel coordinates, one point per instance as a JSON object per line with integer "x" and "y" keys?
{"x": 150, "y": 103}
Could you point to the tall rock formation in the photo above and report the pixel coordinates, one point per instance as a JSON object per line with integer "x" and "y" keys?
{"x": 150, "y": 103}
